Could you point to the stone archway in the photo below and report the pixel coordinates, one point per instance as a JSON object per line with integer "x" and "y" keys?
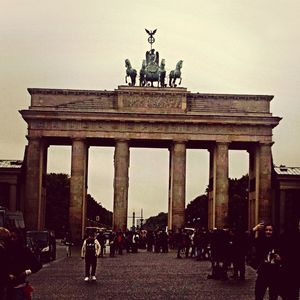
{"x": 171, "y": 118}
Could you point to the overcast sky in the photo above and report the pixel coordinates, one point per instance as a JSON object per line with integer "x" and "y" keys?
{"x": 248, "y": 47}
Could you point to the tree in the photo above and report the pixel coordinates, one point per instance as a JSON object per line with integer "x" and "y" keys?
{"x": 157, "y": 222}
{"x": 58, "y": 202}
{"x": 95, "y": 209}
{"x": 196, "y": 213}
{"x": 238, "y": 202}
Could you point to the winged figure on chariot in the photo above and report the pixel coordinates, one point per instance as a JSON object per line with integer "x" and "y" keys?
{"x": 151, "y": 71}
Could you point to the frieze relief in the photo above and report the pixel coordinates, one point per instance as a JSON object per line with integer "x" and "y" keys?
{"x": 156, "y": 101}
{"x": 144, "y": 127}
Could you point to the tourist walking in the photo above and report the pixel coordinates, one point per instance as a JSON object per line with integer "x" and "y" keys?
{"x": 90, "y": 251}
{"x": 68, "y": 243}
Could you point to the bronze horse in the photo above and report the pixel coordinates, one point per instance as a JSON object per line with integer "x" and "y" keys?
{"x": 130, "y": 72}
{"x": 174, "y": 74}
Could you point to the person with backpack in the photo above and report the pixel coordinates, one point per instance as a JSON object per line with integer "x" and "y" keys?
{"x": 90, "y": 251}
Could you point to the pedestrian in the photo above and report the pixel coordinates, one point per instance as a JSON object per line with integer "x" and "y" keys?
{"x": 68, "y": 243}
{"x": 120, "y": 240}
{"x": 112, "y": 244}
{"x": 135, "y": 242}
{"x": 150, "y": 240}
{"x": 22, "y": 263}
{"x": 4, "y": 258}
{"x": 239, "y": 240}
{"x": 268, "y": 261}
{"x": 179, "y": 239}
{"x": 164, "y": 241}
{"x": 290, "y": 261}
{"x": 90, "y": 251}
{"x": 102, "y": 241}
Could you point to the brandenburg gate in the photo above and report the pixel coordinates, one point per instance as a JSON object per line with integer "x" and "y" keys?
{"x": 145, "y": 116}
{"x": 148, "y": 116}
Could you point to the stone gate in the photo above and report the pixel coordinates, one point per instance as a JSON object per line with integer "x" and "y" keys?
{"x": 130, "y": 116}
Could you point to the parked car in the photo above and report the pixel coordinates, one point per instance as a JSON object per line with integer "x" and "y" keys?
{"x": 43, "y": 244}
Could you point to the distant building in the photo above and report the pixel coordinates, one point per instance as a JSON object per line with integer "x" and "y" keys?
{"x": 286, "y": 196}
{"x": 12, "y": 184}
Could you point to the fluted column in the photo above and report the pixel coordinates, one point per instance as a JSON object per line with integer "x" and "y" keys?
{"x": 177, "y": 189}
{"x": 36, "y": 167}
{"x": 218, "y": 196}
{"x": 13, "y": 196}
{"x": 170, "y": 206}
{"x": 265, "y": 172}
{"x": 211, "y": 195}
{"x": 260, "y": 170}
{"x": 121, "y": 183}
{"x": 78, "y": 188}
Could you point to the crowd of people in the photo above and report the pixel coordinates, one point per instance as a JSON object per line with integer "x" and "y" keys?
{"x": 276, "y": 258}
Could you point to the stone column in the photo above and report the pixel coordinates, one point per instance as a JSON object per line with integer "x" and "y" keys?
{"x": 265, "y": 172}
{"x": 36, "y": 161}
{"x": 260, "y": 169}
{"x": 253, "y": 183}
{"x": 211, "y": 194}
{"x": 177, "y": 177}
{"x": 282, "y": 214}
{"x": 219, "y": 182}
{"x": 170, "y": 214}
{"x": 121, "y": 183}
{"x": 78, "y": 189}
{"x": 13, "y": 197}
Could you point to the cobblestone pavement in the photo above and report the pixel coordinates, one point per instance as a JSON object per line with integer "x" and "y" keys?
{"x": 140, "y": 275}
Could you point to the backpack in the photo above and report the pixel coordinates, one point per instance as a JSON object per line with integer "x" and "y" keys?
{"x": 90, "y": 247}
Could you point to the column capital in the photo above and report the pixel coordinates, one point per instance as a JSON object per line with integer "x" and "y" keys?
{"x": 222, "y": 142}
{"x": 33, "y": 138}
{"x": 180, "y": 141}
{"x": 122, "y": 140}
{"x": 78, "y": 139}
{"x": 270, "y": 143}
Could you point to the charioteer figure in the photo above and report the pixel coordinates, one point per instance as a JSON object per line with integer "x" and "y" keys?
{"x": 151, "y": 71}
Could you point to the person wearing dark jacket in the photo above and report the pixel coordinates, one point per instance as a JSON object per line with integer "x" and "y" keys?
{"x": 22, "y": 263}
{"x": 290, "y": 262}
{"x": 4, "y": 263}
{"x": 89, "y": 252}
{"x": 268, "y": 261}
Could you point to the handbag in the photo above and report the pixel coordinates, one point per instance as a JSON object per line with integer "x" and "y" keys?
{"x": 28, "y": 291}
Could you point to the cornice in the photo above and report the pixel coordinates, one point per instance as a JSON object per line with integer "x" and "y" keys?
{"x": 229, "y": 96}
{"x": 46, "y": 91}
{"x": 114, "y": 116}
